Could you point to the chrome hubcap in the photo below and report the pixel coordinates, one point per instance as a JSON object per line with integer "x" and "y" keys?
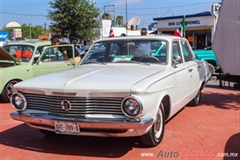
{"x": 158, "y": 124}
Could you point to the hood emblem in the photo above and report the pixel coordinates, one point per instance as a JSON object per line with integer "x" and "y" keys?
{"x": 65, "y": 105}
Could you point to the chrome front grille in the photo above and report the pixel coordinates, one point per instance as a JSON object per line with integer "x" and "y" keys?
{"x": 80, "y": 106}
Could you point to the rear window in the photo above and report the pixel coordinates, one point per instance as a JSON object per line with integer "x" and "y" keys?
{"x": 22, "y": 53}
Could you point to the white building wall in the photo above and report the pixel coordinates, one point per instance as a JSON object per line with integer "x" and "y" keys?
{"x": 106, "y": 25}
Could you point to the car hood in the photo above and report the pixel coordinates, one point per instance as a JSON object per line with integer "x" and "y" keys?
{"x": 92, "y": 78}
{"x": 5, "y": 56}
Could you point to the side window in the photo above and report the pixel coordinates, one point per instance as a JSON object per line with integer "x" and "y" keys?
{"x": 176, "y": 53}
{"x": 17, "y": 50}
{"x": 22, "y": 53}
{"x": 37, "y": 52}
{"x": 67, "y": 52}
{"x": 27, "y": 53}
{"x": 186, "y": 51}
{"x": 52, "y": 54}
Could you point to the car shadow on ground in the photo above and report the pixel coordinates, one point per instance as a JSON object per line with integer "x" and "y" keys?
{"x": 221, "y": 100}
{"x": 1, "y": 101}
{"x": 232, "y": 147}
{"x": 26, "y": 138}
{"x": 228, "y": 101}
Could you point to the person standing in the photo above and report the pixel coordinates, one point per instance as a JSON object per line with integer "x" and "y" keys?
{"x": 143, "y": 32}
{"x": 144, "y": 47}
{"x": 67, "y": 52}
{"x": 55, "y": 41}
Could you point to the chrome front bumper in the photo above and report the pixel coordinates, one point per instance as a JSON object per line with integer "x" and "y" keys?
{"x": 88, "y": 126}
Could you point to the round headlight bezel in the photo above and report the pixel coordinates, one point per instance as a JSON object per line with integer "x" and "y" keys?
{"x": 14, "y": 104}
{"x": 123, "y": 107}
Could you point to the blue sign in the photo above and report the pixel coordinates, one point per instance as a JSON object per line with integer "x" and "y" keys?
{"x": 3, "y": 36}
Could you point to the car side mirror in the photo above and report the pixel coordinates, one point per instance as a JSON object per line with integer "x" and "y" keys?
{"x": 176, "y": 60}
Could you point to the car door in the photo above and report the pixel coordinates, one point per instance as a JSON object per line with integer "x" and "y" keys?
{"x": 182, "y": 76}
{"x": 52, "y": 60}
{"x": 193, "y": 66}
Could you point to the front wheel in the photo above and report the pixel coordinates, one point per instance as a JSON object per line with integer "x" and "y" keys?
{"x": 7, "y": 91}
{"x": 155, "y": 134}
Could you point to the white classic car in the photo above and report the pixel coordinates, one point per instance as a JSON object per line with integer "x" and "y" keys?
{"x": 128, "y": 87}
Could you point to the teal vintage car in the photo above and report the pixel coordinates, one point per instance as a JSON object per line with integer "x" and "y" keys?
{"x": 208, "y": 55}
{"x": 25, "y": 60}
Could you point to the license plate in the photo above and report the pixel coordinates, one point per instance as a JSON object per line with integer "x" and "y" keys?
{"x": 66, "y": 128}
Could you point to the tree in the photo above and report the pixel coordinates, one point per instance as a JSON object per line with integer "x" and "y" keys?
{"x": 35, "y": 31}
{"x": 77, "y": 18}
{"x": 119, "y": 20}
{"x": 106, "y": 15}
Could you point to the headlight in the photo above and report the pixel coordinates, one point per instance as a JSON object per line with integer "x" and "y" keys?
{"x": 19, "y": 101}
{"x": 131, "y": 107}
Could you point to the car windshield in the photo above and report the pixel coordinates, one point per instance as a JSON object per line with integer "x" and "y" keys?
{"x": 128, "y": 50}
{"x": 22, "y": 53}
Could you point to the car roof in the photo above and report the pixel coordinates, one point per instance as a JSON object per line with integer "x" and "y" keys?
{"x": 7, "y": 56}
{"x": 160, "y": 37}
{"x": 33, "y": 43}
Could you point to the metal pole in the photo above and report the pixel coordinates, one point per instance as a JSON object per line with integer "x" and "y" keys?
{"x": 114, "y": 16}
{"x": 126, "y": 19}
{"x": 30, "y": 34}
{"x": 14, "y": 34}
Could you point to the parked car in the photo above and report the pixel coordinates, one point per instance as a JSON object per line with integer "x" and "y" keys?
{"x": 208, "y": 55}
{"x": 96, "y": 48}
{"x": 21, "y": 61}
{"x": 83, "y": 51}
{"x": 125, "y": 93}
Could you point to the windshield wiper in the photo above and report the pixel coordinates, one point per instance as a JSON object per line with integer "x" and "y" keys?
{"x": 96, "y": 62}
{"x": 122, "y": 61}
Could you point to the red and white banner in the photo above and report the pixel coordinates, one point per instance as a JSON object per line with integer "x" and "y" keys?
{"x": 178, "y": 32}
{"x": 111, "y": 33}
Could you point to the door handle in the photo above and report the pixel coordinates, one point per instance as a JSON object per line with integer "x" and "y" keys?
{"x": 190, "y": 70}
